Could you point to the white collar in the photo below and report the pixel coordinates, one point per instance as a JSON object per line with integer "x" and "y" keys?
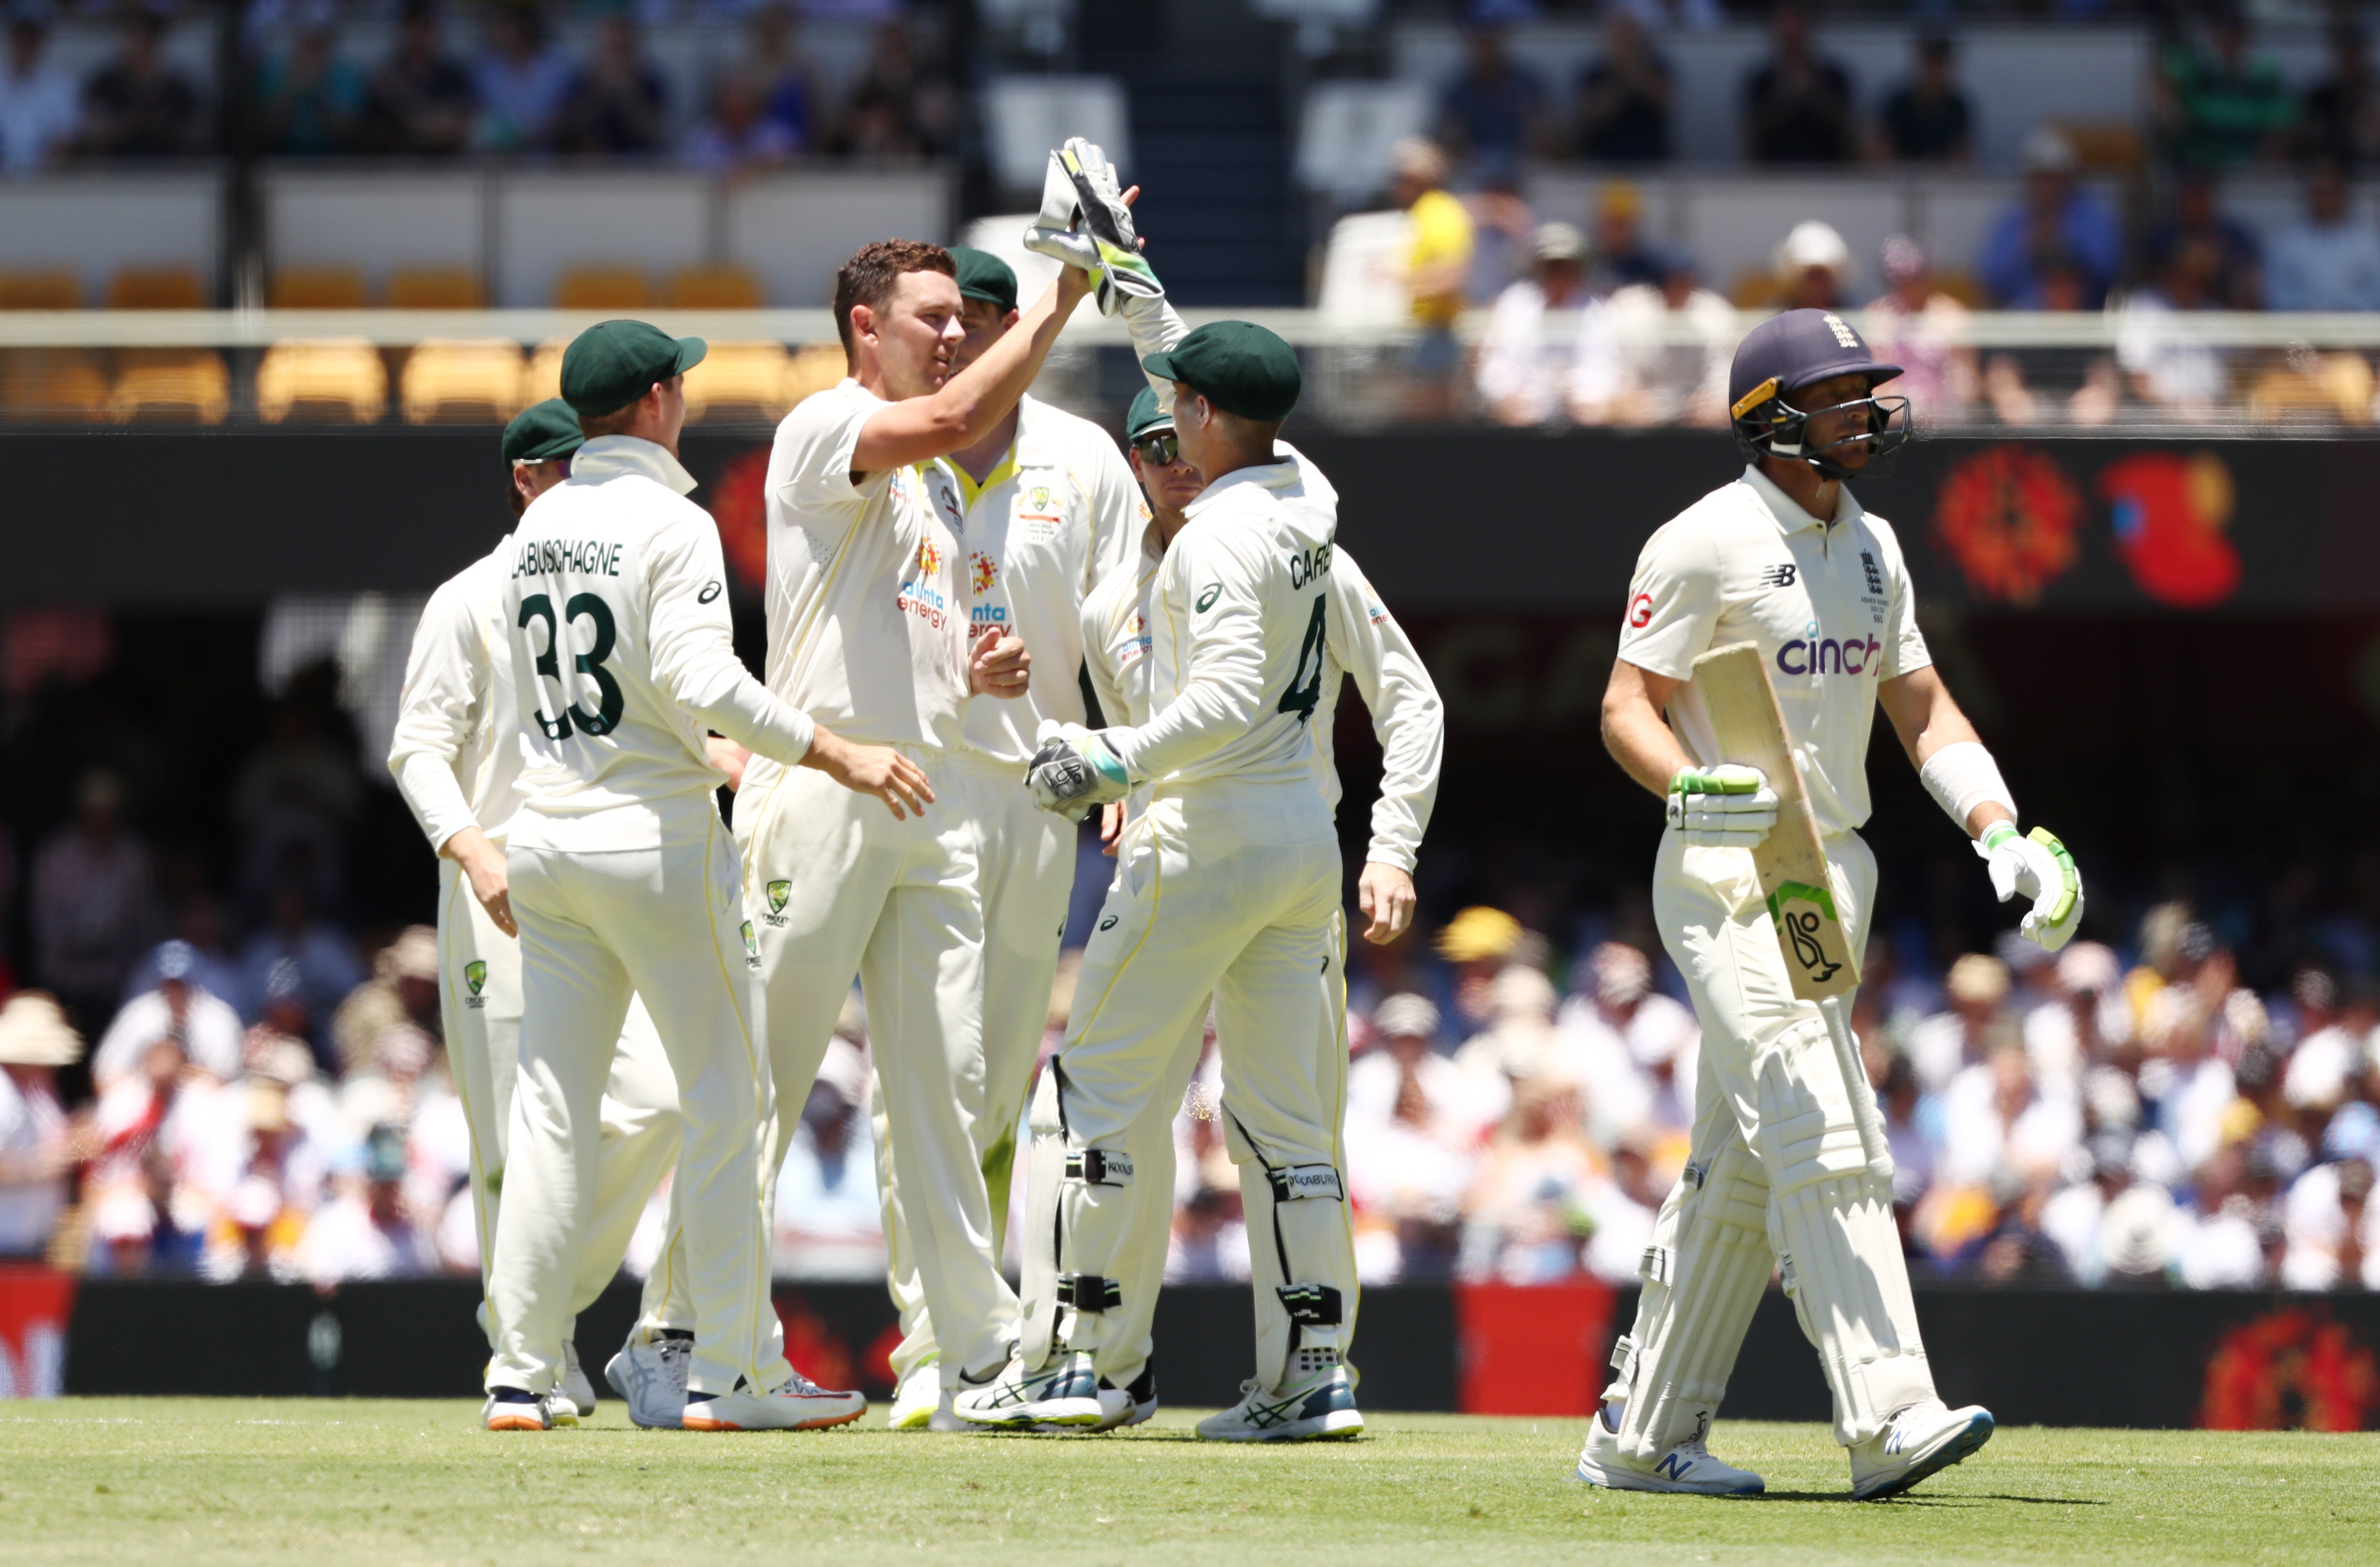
{"x": 609, "y": 456}
{"x": 1264, "y": 476}
{"x": 1791, "y": 518}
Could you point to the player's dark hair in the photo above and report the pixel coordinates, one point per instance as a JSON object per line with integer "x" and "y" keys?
{"x": 869, "y": 277}
{"x": 616, "y": 422}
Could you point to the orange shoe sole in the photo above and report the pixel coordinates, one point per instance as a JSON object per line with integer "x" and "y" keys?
{"x": 514, "y": 1423}
{"x": 694, "y": 1423}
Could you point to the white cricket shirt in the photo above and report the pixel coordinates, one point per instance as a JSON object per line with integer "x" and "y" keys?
{"x": 456, "y": 752}
{"x": 1060, "y": 513}
{"x": 1830, "y": 606}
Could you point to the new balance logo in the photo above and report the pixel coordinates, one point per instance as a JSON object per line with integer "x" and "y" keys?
{"x": 1778, "y": 575}
{"x": 1675, "y": 1466}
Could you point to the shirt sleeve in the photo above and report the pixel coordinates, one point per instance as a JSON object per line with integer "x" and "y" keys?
{"x": 1119, "y": 515}
{"x": 1101, "y": 611}
{"x": 1217, "y": 591}
{"x": 1672, "y": 602}
{"x": 694, "y": 645}
{"x": 818, "y": 439}
{"x": 1407, "y": 717}
{"x": 440, "y": 712}
{"x": 1904, "y": 645}
{"x": 1155, "y": 327}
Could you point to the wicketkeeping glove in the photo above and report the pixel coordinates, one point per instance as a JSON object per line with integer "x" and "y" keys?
{"x": 1074, "y": 769}
{"x": 1725, "y": 807}
{"x": 1084, "y": 222}
{"x": 2039, "y": 867}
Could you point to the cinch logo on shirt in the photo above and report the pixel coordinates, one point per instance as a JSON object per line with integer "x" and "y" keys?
{"x": 1823, "y": 655}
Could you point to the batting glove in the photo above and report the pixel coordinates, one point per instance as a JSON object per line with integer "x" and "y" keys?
{"x": 1726, "y": 807}
{"x": 1073, "y": 769}
{"x": 1084, "y": 222}
{"x": 2036, "y": 865}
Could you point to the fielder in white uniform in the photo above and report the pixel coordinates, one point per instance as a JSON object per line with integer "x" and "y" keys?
{"x": 1228, "y": 887}
{"x": 1786, "y": 557}
{"x": 456, "y": 759}
{"x": 623, "y": 880}
{"x": 870, "y": 602}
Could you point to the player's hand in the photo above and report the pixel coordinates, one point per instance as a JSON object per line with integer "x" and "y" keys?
{"x": 1384, "y": 894}
{"x": 872, "y": 770}
{"x": 2036, "y": 865}
{"x": 1086, "y": 222}
{"x": 728, "y": 758}
{"x": 1074, "y": 767}
{"x": 1111, "y": 827}
{"x": 483, "y": 866}
{"x": 998, "y": 664}
{"x": 1725, "y": 807}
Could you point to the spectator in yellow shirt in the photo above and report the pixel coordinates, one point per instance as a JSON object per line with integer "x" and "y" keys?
{"x": 1437, "y": 262}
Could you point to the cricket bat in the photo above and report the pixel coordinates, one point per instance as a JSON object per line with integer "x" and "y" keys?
{"x": 1742, "y": 703}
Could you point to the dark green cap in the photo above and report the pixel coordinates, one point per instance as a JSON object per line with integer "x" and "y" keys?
{"x": 984, "y": 276}
{"x": 541, "y": 434}
{"x": 1237, "y": 365}
{"x": 613, "y": 363}
{"x": 1146, "y": 415}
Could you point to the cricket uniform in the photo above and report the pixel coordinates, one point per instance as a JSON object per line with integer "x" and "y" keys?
{"x": 868, "y": 607}
{"x": 1059, "y": 512}
{"x": 624, "y": 880}
{"x": 456, "y": 759}
{"x": 1777, "y": 1165}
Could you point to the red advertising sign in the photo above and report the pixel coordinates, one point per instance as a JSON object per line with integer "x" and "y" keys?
{"x": 34, "y": 1305}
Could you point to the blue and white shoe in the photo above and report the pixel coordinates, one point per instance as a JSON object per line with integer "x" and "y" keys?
{"x": 1318, "y": 1407}
{"x": 1923, "y": 1440}
{"x": 1063, "y": 1394}
{"x": 1688, "y": 1467}
{"x": 649, "y": 1375}
{"x": 573, "y": 1384}
{"x": 1132, "y": 1404}
{"x": 510, "y": 1409}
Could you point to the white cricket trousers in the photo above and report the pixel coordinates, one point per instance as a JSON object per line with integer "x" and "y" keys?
{"x": 1777, "y": 1170}
{"x": 837, "y": 889}
{"x": 1024, "y": 860}
{"x": 479, "y": 1001}
{"x": 1230, "y": 892}
{"x": 665, "y": 924}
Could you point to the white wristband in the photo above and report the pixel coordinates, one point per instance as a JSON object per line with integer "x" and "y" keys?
{"x": 1962, "y": 776}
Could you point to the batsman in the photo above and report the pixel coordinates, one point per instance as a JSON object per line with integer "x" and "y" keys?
{"x": 1788, "y": 1165}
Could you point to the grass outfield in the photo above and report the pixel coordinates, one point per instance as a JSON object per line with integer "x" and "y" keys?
{"x": 362, "y": 1484}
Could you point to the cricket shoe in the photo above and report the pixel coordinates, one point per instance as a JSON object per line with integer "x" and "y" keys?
{"x": 649, "y": 1375}
{"x": 1063, "y": 1395}
{"x": 511, "y": 1409}
{"x": 1923, "y": 1440}
{"x": 573, "y": 1383}
{"x": 1136, "y": 1406}
{"x": 922, "y": 1403}
{"x": 1318, "y": 1407}
{"x": 799, "y": 1404}
{"x": 1688, "y": 1467}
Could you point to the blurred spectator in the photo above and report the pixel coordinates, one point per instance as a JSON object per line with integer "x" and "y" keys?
{"x": 367, "y": 1230}
{"x": 520, "y": 83}
{"x": 199, "y": 941}
{"x": 422, "y": 103}
{"x": 1996, "y": 1120}
{"x": 2087, "y": 1024}
{"x": 900, "y": 108}
{"x": 1611, "y": 1034}
{"x": 1907, "y": 1132}
{"x": 1813, "y": 268}
{"x": 1949, "y": 1042}
{"x": 135, "y": 105}
{"x": 2237, "y": 283}
{"x": 1519, "y": 1043}
{"x": 94, "y": 904}
{"x": 280, "y": 1176}
{"x": 738, "y": 135}
{"x": 39, "y": 107}
{"x": 402, "y": 993}
{"x": 2231, "y": 1224}
{"x": 1624, "y": 96}
{"x": 1621, "y": 256}
{"x": 1414, "y": 1118}
{"x": 1501, "y": 227}
{"x": 789, "y": 96}
{"x": 1797, "y": 108}
{"x": 1403, "y": 1079}
{"x": 1634, "y": 373}
{"x": 1917, "y": 326}
{"x": 2330, "y": 1055}
{"x": 1926, "y": 119}
{"x": 326, "y": 962}
{"x": 2330, "y": 259}
{"x": 617, "y": 101}
{"x": 37, "y": 1144}
{"x": 2332, "y": 1225}
{"x": 1494, "y": 113}
{"x": 309, "y": 103}
{"x": 1480, "y": 943}
{"x": 2218, "y": 104}
{"x": 202, "y": 1025}
{"x": 296, "y": 796}
{"x": 1696, "y": 15}
{"x": 2339, "y": 117}
{"x": 1522, "y": 370}
{"x": 828, "y": 1222}
{"x": 1437, "y": 262}
{"x": 2166, "y": 370}
{"x": 2056, "y": 235}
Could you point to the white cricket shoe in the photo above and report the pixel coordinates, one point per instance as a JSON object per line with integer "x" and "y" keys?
{"x": 1320, "y": 1407}
{"x": 1136, "y": 1406}
{"x": 1688, "y": 1467}
{"x": 1064, "y": 1395}
{"x": 573, "y": 1383}
{"x": 798, "y": 1405}
{"x": 922, "y": 1403}
{"x": 510, "y": 1409}
{"x": 1923, "y": 1440}
{"x": 649, "y": 1375}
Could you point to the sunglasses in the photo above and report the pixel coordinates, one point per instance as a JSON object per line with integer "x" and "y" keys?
{"x": 1159, "y": 448}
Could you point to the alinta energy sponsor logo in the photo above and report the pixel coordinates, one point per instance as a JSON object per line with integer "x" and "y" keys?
{"x": 918, "y": 596}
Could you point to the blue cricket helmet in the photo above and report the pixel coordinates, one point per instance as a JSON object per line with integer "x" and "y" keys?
{"x": 1795, "y": 350}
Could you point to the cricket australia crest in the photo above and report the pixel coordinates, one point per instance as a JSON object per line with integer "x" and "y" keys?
{"x": 474, "y": 981}
{"x": 778, "y": 893}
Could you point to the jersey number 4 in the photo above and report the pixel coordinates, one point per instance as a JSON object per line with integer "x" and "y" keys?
{"x": 1305, "y": 692}
{"x": 609, "y": 701}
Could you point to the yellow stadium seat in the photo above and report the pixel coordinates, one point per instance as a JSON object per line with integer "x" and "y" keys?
{"x": 544, "y": 377}
{"x": 714, "y": 288}
{"x": 602, "y": 288}
{"x": 747, "y": 377}
{"x": 52, "y": 384}
{"x": 48, "y": 289}
{"x": 171, "y": 383}
{"x": 816, "y": 367}
{"x": 450, "y": 380}
{"x": 156, "y": 288}
{"x": 322, "y": 378}
{"x": 316, "y": 288}
{"x": 435, "y": 289}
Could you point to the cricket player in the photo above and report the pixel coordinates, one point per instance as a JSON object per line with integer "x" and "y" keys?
{"x": 456, "y": 759}
{"x": 622, "y": 880}
{"x": 1786, "y": 557}
{"x": 1050, "y": 509}
{"x": 1361, "y": 638}
{"x": 1229, "y": 888}
{"x": 870, "y": 604}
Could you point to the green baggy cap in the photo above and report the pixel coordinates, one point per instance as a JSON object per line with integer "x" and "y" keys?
{"x": 984, "y": 276}
{"x": 1144, "y": 414}
{"x": 613, "y": 363}
{"x": 1237, "y": 365}
{"x": 541, "y": 434}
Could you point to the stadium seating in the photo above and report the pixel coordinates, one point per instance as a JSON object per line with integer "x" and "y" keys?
{"x": 331, "y": 379}
{"x": 445, "y": 380}
{"x": 189, "y": 384}
{"x": 602, "y": 288}
{"x": 45, "y": 384}
{"x": 713, "y": 288}
{"x": 45, "y": 288}
{"x": 1025, "y": 115}
{"x": 435, "y": 289}
{"x": 156, "y": 288}
{"x": 316, "y": 288}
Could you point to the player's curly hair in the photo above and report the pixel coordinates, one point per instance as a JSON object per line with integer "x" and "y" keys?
{"x": 869, "y": 277}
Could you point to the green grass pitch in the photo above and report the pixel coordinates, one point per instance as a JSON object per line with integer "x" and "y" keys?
{"x": 363, "y": 1483}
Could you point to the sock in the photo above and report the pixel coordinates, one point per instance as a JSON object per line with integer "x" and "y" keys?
{"x": 1614, "y": 1411}
{"x": 512, "y": 1395}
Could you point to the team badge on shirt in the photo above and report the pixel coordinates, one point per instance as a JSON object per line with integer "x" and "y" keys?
{"x": 778, "y": 893}
{"x": 475, "y": 979}
{"x": 751, "y": 947}
{"x": 929, "y": 559}
{"x": 985, "y": 573}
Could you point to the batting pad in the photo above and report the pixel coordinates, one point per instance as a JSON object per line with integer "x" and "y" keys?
{"x": 1301, "y": 1257}
{"x": 1839, "y": 1253}
{"x": 1045, "y": 1167}
{"x": 1703, "y": 1275}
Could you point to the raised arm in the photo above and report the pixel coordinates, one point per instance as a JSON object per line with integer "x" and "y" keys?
{"x": 918, "y": 430}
